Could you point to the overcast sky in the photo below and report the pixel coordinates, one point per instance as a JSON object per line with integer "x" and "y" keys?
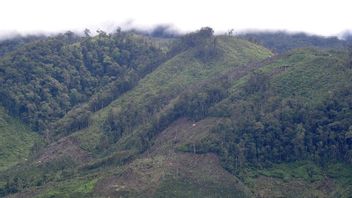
{"x": 313, "y": 16}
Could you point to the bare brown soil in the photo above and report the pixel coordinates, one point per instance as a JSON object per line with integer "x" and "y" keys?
{"x": 144, "y": 175}
{"x": 65, "y": 147}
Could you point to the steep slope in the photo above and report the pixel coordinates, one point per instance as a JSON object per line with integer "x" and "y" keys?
{"x": 296, "y": 107}
{"x": 258, "y": 110}
{"x": 125, "y": 117}
{"x": 284, "y": 97}
{"x": 44, "y": 79}
{"x": 163, "y": 171}
{"x": 16, "y": 141}
{"x": 111, "y": 145}
{"x": 222, "y": 117}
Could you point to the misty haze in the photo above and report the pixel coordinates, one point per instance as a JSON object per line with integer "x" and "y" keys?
{"x": 175, "y": 99}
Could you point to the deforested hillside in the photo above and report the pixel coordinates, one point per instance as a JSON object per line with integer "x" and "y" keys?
{"x": 44, "y": 79}
{"x": 195, "y": 115}
{"x": 294, "y": 111}
{"x": 17, "y": 141}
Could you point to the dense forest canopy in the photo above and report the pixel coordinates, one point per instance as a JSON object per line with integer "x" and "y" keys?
{"x": 46, "y": 78}
{"x": 159, "y": 108}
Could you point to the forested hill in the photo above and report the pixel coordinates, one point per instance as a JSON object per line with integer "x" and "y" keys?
{"x": 44, "y": 79}
{"x": 9, "y": 45}
{"x": 281, "y": 42}
{"x": 196, "y": 115}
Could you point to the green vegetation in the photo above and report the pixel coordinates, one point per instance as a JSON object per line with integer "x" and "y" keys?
{"x": 16, "y": 141}
{"x": 281, "y": 42}
{"x": 296, "y": 107}
{"x": 43, "y": 80}
{"x": 35, "y": 174}
{"x": 306, "y": 177}
{"x": 154, "y": 98}
{"x": 270, "y": 123}
{"x": 306, "y": 170}
{"x": 71, "y": 188}
{"x": 197, "y": 115}
{"x": 182, "y": 188}
{"x": 7, "y": 46}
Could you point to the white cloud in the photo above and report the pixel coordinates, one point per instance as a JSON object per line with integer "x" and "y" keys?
{"x": 313, "y": 16}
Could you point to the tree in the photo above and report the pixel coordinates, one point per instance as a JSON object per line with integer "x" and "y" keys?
{"x": 230, "y": 32}
{"x": 349, "y": 50}
{"x": 87, "y": 32}
{"x": 258, "y": 82}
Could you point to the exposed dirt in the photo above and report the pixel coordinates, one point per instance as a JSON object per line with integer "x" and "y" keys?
{"x": 266, "y": 187}
{"x": 65, "y": 147}
{"x": 144, "y": 175}
{"x": 181, "y": 132}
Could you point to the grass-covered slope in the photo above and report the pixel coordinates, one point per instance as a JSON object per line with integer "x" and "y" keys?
{"x": 295, "y": 107}
{"x": 116, "y": 133}
{"x": 310, "y": 73}
{"x": 255, "y": 103}
{"x": 289, "y": 90}
{"x": 158, "y": 91}
{"x": 222, "y": 117}
{"x": 16, "y": 141}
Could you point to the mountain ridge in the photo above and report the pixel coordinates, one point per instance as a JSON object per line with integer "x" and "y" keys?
{"x": 215, "y": 116}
